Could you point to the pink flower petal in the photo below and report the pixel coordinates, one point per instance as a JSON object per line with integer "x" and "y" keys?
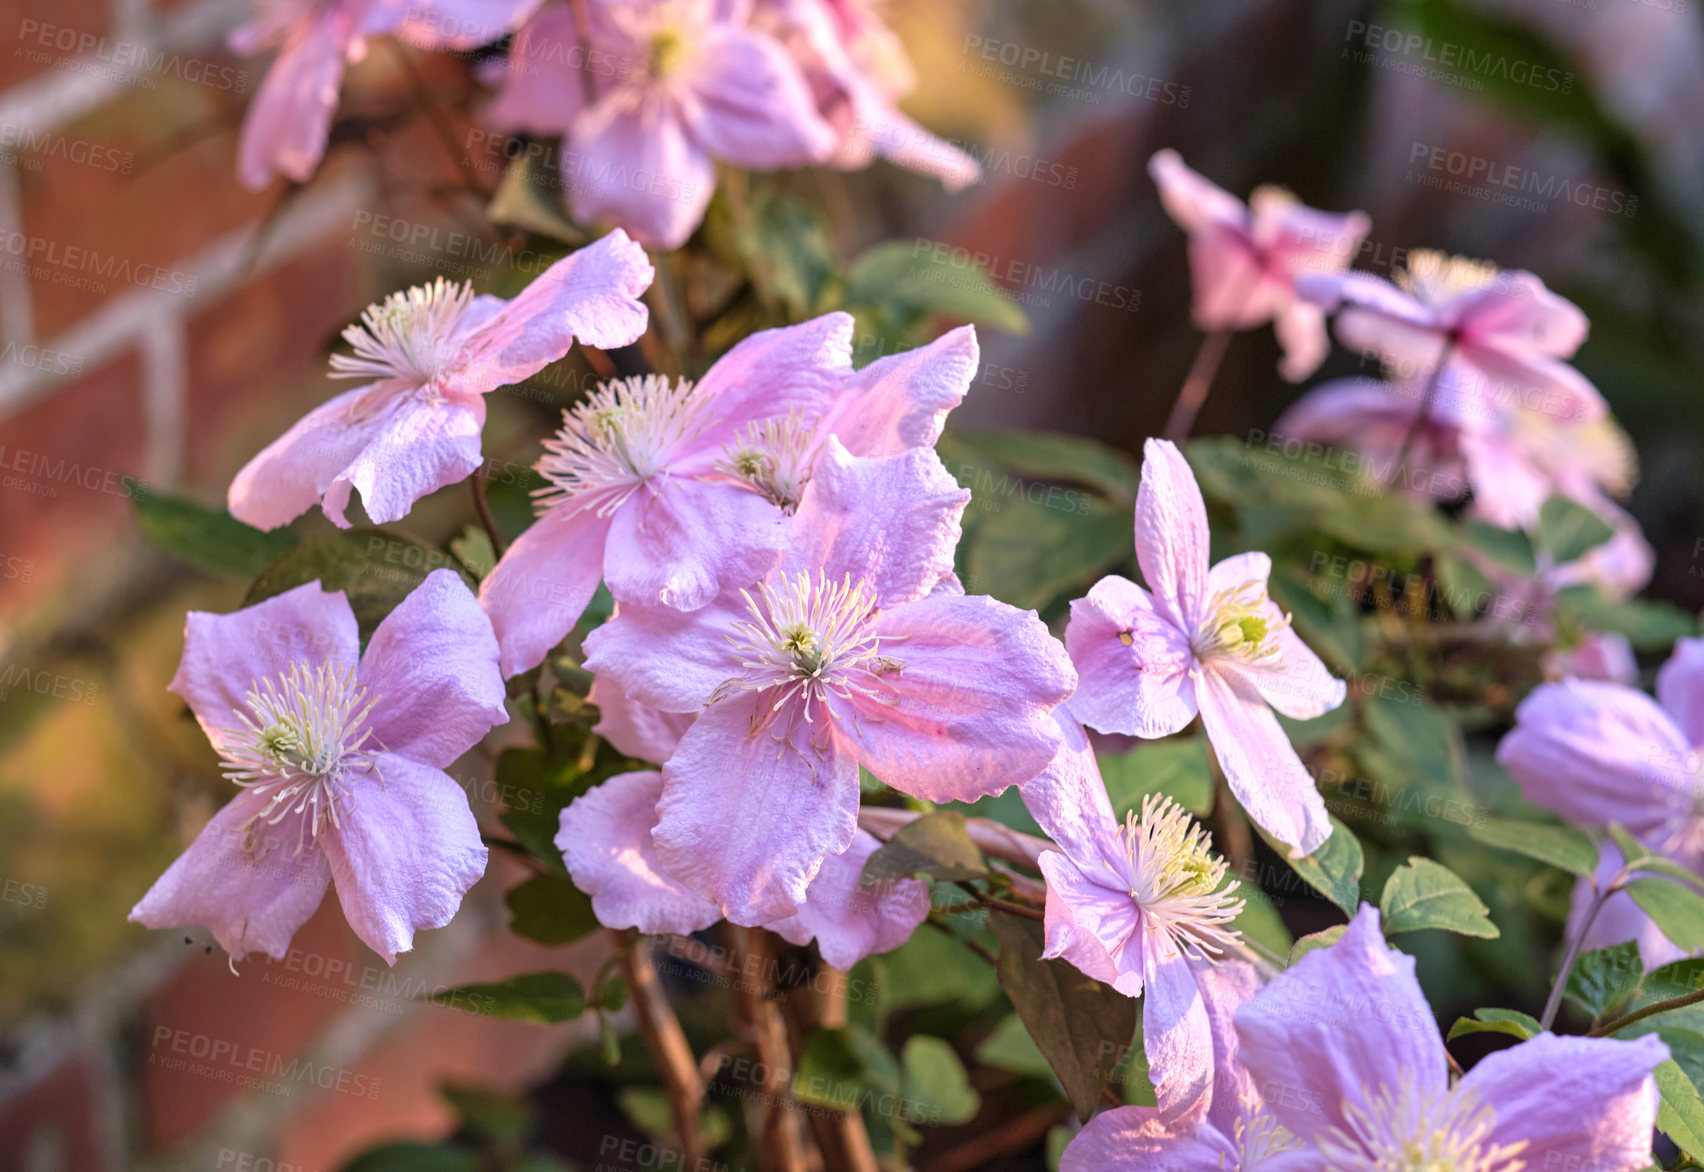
{"x": 633, "y": 164}
{"x": 1680, "y": 688}
{"x": 224, "y": 655}
{"x": 592, "y": 295}
{"x": 542, "y": 90}
{"x": 542, "y": 583}
{"x": 461, "y": 24}
{"x": 1301, "y": 332}
{"x": 405, "y": 852}
{"x": 1573, "y": 1102}
{"x": 891, "y": 521}
{"x": 1230, "y": 290}
{"x": 1140, "y": 688}
{"x": 1142, "y": 1139}
{"x": 1176, "y": 1036}
{"x": 678, "y": 543}
{"x": 849, "y": 921}
{"x": 1619, "y": 920}
{"x": 749, "y": 105}
{"x": 904, "y": 143}
{"x": 745, "y": 820}
{"x": 415, "y": 449}
{"x": 772, "y": 373}
{"x": 1195, "y": 202}
{"x": 432, "y": 667}
{"x": 1260, "y": 765}
{"x": 1226, "y": 986}
{"x": 606, "y": 841}
{"x": 1082, "y": 914}
{"x": 901, "y": 401}
{"x": 1171, "y": 535}
{"x": 1520, "y": 313}
{"x": 668, "y": 659}
{"x": 1598, "y": 753}
{"x": 1341, "y": 1023}
{"x": 292, "y": 473}
{"x": 251, "y": 892}
{"x": 972, "y": 707}
{"x": 287, "y": 124}
{"x": 636, "y": 730}
{"x": 1068, "y": 799}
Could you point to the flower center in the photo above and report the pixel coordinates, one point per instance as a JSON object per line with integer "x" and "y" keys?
{"x": 303, "y": 739}
{"x": 1259, "y": 1136}
{"x": 773, "y": 458}
{"x": 808, "y": 641}
{"x": 410, "y": 335}
{"x": 1174, "y": 878}
{"x": 1239, "y": 625}
{"x": 668, "y": 51}
{"x": 1409, "y": 1130}
{"x": 1434, "y": 277}
{"x": 624, "y": 433}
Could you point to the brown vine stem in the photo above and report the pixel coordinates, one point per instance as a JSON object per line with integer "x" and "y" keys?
{"x": 1422, "y": 416}
{"x": 840, "y": 1136}
{"x": 665, "y": 1040}
{"x": 1196, "y": 384}
{"x": 483, "y": 508}
{"x": 1616, "y": 1025}
{"x": 780, "y": 1147}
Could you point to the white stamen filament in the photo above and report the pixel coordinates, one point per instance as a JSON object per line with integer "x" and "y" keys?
{"x": 1174, "y": 879}
{"x": 410, "y": 335}
{"x": 806, "y": 643}
{"x": 301, "y": 743}
{"x": 1409, "y": 1130}
{"x": 1434, "y": 277}
{"x": 624, "y": 433}
{"x": 1239, "y": 625}
{"x": 773, "y": 458}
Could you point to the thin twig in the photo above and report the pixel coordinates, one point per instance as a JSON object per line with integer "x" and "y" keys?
{"x": 780, "y": 1148}
{"x": 1616, "y": 1025}
{"x": 1196, "y": 384}
{"x": 483, "y": 508}
{"x": 1423, "y": 415}
{"x": 666, "y": 1041}
{"x": 1554, "y": 1003}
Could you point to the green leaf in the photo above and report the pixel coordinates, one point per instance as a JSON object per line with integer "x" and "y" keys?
{"x": 1027, "y": 551}
{"x": 1680, "y": 1116}
{"x": 839, "y": 1067}
{"x": 1677, "y": 910}
{"x": 1010, "y": 1047}
{"x": 1412, "y": 743}
{"x": 488, "y": 1114}
{"x": 1083, "y": 1027}
{"x": 1177, "y": 767}
{"x": 782, "y": 242}
{"x": 1569, "y": 530}
{"x": 918, "y": 278}
{"x": 534, "y": 785}
{"x": 208, "y": 539}
{"x": 1049, "y": 457}
{"x": 1334, "y": 870}
{"x": 474, "y": 551}
{"x": 1563, "y": 847}
{"x": 1422, "y": 894}
{"x": 1259, "y": 922}
{"x": 550, "y": 910}
{"x": 1316, "y": 940}
{"x": 529, "y": 197}
{"x": 1649, "y": 626}
{"x": 538, "y": 997}
{"x": 1332, "y": 627}
{"x": 1603, "y": 978}
{"x": 936, "y": 843}
{"x": 415, "y": 1157}
{"x": 1509, "y": 548}
{"x": 935, "y": 1078}
{"x": 375, "y": 569}
{"x": 1497, "y": 1021}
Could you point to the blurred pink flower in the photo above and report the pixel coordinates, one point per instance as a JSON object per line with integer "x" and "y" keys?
{"x": 677, "y": 86}
{"x": 1596, "y": 656}
{"x": 605, "y": 839}
{"x": 1245, "y": 259}
{"x": 340, "y": 757}
{"x": 858, "y": 70}
{"x": 435, "y": 351}
{"x": 1208, "y": 641}
{"x": 1347, "y": 1036}
{"x": 670, "y": 491}
{"x": 287, "y": 123}
{"x": 1502, "y": 333}
{"x": 1598, "y": 752}
{"x": 1232, "y": 1132}
{"x": 1133, "y": 906}
{"x": 855, "y": 650}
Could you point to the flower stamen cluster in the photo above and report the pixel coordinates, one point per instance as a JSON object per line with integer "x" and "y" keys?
{"x": 624, "y": 433}
{"x": 1174, "y": 878}
{"x": 1434, "y": 277}
{"x": 1410, "y": 1130}
{"x": 1239, "y": 625}
{"x": 409, "y": 335}
{"x": 773, "y": 458}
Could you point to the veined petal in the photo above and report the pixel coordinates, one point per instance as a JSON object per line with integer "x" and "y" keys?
{"x": 668, "y": 659}
{"x": 290, "y": 475}
{"x": 605, "y": 839}
{"x": 403, "y": 853}
{"x": 416, "y": 448}
{"x": 1619, "y": 919}
{"x": 1176, "y": 1036}
{"x": 1260, "y": 765}
{"x": 633, "y": 164}
{"x": 750, "y": 106}
{"x": 772, "y": 373}
{"x": 542, "y": 583}
{"x": 849, "y": 921}
{"x": 681, "y": 542}
{"x": 746, "y": 819}
{"x": 288, "y": 121}
{"x": 1141, "y": 687}
{"x": 1068, "y": 799}
{"x": 1680, "y": 688}
{"x": 541, "y": 90}
{"x": 1143, "y": 1139}
{"x": 1081, "y": 913}
{"x": 901, "y": 400}
{"x": 1171, "y": 534}
{"x": 635, "y": 729}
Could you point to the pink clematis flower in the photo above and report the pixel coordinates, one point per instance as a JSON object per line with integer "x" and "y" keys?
{"x": 287, "y": 124}
{"x": 1207, "y": 641}
{"x": 1598, "y": 753}
{"x": 1138, "y": 906}
{"x": 1233, "y": 1132}
{"x": 677, "y": 85}
{"x": 605, "y": 839}
{"x": 670, "y": 491}
{"x": 340, "y": 761}
{"x": 434, "y": 352}
{"x": 855, "y": 649}
{"x": 858, "y": 70}
{"x": 1503, "y": 334}
{"x": 1245, "y": 259}
{"x": 1354, "y": 1070}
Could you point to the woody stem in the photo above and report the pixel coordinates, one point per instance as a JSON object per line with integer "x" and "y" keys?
{"x": 1196, "y": 384}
